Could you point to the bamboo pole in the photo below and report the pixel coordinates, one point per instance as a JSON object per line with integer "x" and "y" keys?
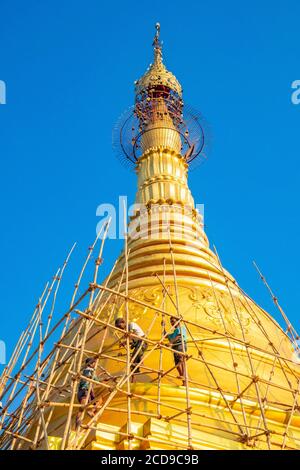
{"x": 290, "y": 327}
{"x": 57, "y": 288}
{"x": 290, "y": 420}
{"x": 90, "y": 251}
{"x": 185, "y": 369}
{"x": 38, "y": 369}
{"x": 128, "y": 358}
{"x": 160, "y": 373}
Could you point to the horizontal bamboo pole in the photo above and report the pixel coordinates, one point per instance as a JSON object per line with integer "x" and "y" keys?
{"x": 18, "y": 436}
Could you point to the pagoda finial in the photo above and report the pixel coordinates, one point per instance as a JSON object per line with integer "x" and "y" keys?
{"x": 157, "y": 45}
{"x": 157, "y": 74}
{"x": 157, "y": 27}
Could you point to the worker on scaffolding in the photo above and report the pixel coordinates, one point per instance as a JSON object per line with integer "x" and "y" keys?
{"x": 178, "y": 340}
{"x": 137, "y": 344}
{"x": 85, "y": 393}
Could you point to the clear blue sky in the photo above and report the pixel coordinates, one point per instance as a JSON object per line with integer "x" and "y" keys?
{"x": 69, "y": 68}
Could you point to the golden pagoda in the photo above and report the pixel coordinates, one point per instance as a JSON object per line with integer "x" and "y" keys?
{"x": 241, "y": 380}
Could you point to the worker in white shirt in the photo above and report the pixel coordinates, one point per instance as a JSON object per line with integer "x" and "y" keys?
{"x": 137, "y": 345}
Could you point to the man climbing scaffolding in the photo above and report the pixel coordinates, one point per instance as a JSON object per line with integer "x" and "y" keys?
{"x": 178, "y": 340}
{"x": 85, "y": 393}
{"x": 137, "y": 345}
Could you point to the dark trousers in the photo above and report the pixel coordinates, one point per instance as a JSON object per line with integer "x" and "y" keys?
{"x": 180, "y": 347}
{"x": 138, "y": 348}
{"x": 83, "y": 392}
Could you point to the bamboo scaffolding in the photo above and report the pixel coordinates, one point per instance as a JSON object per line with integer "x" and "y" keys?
{"x": 127, "y": 375}
{"x": 59, "y": 373}
{"x": 100, "y": 412}
{"x": 165, "y": 418}
{"x": 197, "y": 359}
{"x": 45, "y": 403}
{"x": 281, "y": 359}
{"x": 35, "y": 325}
{"x": 210, "y": 371}
{"x": 27, "y": 362}
{"x": 245, "y": 295}
{"x": 278, "y": 358}
{"x": 148, "y": 369}
{"x": 275, "y": 360}
{"x": 116, "y": 389}
{"x": 214, "y": 365}
{"x": 255, "y": 378}
{"x": 25, "y": 335}
{"x": 191, "y": 323}
{"x": 41, "y": 347}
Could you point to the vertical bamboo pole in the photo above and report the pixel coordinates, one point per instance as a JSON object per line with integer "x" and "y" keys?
{"x": 38, "y": 372}
{"x": 161, "y": 337}
{"x": 285, "y": 435}
{"x": 186, "y": 377}
{"x": 128, "y": 358}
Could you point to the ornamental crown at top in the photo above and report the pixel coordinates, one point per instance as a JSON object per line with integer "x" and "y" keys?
{"x": 157, "y": 74}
